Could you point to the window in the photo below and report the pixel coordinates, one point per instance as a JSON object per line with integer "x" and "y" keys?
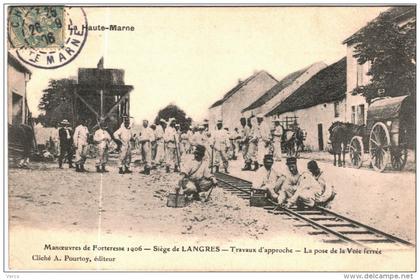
{"x": 353, "y": 114}
{"x": 336, "y": 109}
{"x": 361, "y": 114}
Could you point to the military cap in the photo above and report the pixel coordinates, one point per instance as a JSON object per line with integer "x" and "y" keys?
{"x": 268, "y": 158}
{"x": 313, "y": 166}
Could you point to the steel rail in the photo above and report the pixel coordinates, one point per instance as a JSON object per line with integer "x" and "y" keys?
{"x": 326, "y": 215}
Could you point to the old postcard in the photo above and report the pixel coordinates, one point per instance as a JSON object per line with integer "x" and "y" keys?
{"x": 210, "y": 138}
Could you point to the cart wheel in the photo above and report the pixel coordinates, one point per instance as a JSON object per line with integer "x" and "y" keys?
{"x": 379, "y": 146}
{"x": 356, "y": 151}
{"x": 399, "y": 157}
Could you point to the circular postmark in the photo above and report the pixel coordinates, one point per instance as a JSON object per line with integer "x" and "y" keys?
{"x": 47, "y": 37}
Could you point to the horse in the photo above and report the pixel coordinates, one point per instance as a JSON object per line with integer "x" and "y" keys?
{"x": 293, "y": 140}
{"x": 340, "y": 136}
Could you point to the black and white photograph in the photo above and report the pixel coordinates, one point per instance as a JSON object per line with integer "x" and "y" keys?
{"x": 234, "y": 138}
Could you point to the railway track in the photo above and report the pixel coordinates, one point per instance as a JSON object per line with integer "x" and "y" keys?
{"x": 330, "y": 226}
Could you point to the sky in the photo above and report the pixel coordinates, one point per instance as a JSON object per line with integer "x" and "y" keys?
{"x": 192, "y": 56}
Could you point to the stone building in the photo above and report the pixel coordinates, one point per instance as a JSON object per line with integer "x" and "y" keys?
{"x": 17, "y": 78}
{"x": 229, "y": 108}
{"x": 282, "y": 90}
{"x": 316, "y": 104}
{"x": 356, "y": 105}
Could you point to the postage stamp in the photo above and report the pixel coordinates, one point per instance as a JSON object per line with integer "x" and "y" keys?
{"x": 47, "y": 37}
{"x": 36, "y": 27}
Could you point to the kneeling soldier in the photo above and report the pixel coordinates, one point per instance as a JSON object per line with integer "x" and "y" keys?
{"x": 267, "y": 178}
{"x": 313, "y": 189}
{"x": 197, "y": 177}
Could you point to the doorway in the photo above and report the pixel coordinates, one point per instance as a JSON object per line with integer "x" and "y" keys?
{"x": 320, "y": 137}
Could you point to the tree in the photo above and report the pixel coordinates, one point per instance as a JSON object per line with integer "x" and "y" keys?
{"x": 391, "y": 50}
{"x": 57, "y": 102}
{"x": 173, "y": 111}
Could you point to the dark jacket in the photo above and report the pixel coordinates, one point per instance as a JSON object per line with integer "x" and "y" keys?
{"x": 63, "y": 136}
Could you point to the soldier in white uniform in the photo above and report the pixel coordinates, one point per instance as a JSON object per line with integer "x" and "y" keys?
{"x": 80, "y": 141}
{"x": 55, "y": 140}
{"x": 102, "y": 140}
{"x": 190, "y": 140}
{"x": 264, "y": 139}
{"x": 219, "y": 143}
{"x": 267, "y": 178}
{"x": 171, "y": 153}
{"x": 124, "y": 135}
{"x": 313, "y": 189}
{"x": 254, "y": 136}
{"x": 183, "y": 143}
{"x": 277, "y": 136}
{"x": 146, "y": 136}
{"x": 160, "y": 145}
{"x": 289, "y": 182}
{"x": 235, "y": 136}
{"x": 244, "y": 143}
{"x": 197, "y": 177}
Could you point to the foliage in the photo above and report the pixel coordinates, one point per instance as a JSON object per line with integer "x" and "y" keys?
{"x": 56, "y": 102}
{"x": 391, "y": 50}
{"x": 173, "y": 111}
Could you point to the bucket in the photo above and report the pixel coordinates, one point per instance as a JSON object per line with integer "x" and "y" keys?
{"x": 176, "y": 200}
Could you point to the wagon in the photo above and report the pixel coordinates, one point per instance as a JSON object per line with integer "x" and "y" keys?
{"x": 389, "y": 130}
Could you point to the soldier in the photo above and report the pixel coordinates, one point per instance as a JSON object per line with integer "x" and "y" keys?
{"x": 171, "y": 153}
{"x": 184, "y": 142}
{"x": 277, "y": 136}
{"x": 254, "y": 136}
{"x": 66, "y": 145}
{"x": 102, "y": 140}
{"x": 80, "y": 140}
{"x": 146, "y": 136}
{"x": 153, "y": 127}
{"x": 55, "y": 140}
{"x": 313, "y": 189}
{"x": 190, "y": 140}
{"x": 289, "y": 182}
{"x": 235, "y": 139}
{"x": 229, "y": 144}
{"x": 124, "y": 136}
{"x": 197, "y": 177}
{"x": 219, "y": 144}
{"x": 264, "y": 139}
{"x": 267, "y": 178}
{"x": 244, "y": 141}
{"x": 199, "y": 136}
{"x": 160, "y": 144}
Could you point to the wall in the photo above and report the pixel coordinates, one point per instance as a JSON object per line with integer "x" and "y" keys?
{"x": 16, "y": 83}
{"x": 232, "y": 107}
{"x": 309, "y": 118}
{"x": 352, "y": 83}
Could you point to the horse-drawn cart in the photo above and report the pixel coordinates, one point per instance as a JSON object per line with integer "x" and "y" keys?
{"x": 390, "y": 124}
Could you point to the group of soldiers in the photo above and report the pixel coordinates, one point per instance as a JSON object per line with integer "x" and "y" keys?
{"x": 197, "y": 152}
{"x": 165, "y": 144}
{"x": 288, "y": 187}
